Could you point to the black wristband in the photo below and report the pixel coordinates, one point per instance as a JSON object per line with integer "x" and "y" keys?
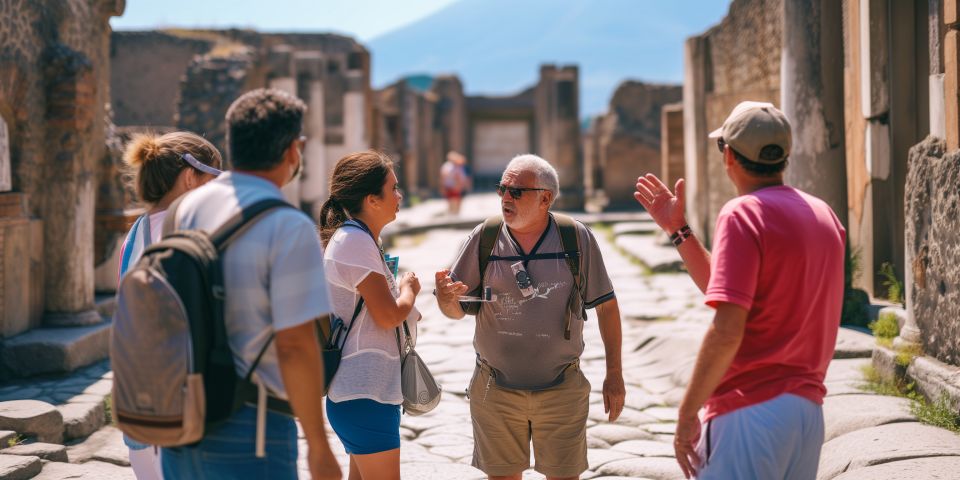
{"x": 680, "y": 235}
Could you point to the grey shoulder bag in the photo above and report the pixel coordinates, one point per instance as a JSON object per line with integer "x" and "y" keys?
{"x": 421, "y": 393}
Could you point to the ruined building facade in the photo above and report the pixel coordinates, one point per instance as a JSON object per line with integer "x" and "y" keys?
{"x": 871, "y": 90}
{"x": 419, "y": 119}
{"x": 54, "y": 89}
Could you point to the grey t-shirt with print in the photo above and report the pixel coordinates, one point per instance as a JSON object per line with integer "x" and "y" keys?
{"x": 522, "y": 338}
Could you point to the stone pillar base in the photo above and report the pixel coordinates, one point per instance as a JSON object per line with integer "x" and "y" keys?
{"x": 72, "y": 319}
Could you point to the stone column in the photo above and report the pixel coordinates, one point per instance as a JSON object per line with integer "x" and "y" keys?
{"x": 282, "y": 75}
{"x": 6, "y": 181}
{"x": 355, "y": 112}
{"x": 68, "y": 192}
{"x": 556, "y": 113}
{"x": 812, "y": 98}
{"x": 671, "y": 143}
{"x": 315, "y": 182}
{"x": 695, "y": 136}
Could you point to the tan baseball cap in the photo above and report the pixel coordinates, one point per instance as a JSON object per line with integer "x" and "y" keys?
{"x": 752, "y": 127}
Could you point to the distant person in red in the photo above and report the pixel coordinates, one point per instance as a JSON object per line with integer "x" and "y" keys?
{"x": 753, "y": 408}
{"x": 454, "y": 181}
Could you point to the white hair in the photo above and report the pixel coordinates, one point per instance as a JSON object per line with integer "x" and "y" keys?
{"x": 545, "y": 173}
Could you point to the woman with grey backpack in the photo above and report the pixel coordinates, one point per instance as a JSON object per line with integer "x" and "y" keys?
{"x": 370, "y": 304}
{"x": 164, "y": 168}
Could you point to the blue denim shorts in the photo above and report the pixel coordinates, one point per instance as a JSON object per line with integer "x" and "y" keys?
{"x": 229, "y": 451}
{"x": 365, "y": 426}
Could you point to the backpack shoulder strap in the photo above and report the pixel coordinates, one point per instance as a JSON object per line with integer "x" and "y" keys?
{"x": 488, "y": 240}
{"x": 239, "y": 223}
{"x": 570, "y": 241}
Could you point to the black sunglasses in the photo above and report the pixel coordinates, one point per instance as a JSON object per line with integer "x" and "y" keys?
{"x": 516, "y": 192}
{"x": 721, "y": 144}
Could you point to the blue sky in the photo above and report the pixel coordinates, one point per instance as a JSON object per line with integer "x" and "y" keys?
{"x": 363, "y": 19}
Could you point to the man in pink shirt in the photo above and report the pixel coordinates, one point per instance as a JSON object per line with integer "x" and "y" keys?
{"x": 752, "y": 409}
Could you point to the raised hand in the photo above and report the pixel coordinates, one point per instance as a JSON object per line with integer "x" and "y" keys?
{"x": 448, "y": 290}
{"x": 666, "y": 208}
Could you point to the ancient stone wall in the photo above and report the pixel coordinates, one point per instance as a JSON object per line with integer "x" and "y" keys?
{"x": 933, "y": 243}
{"x": 737, "y": 60}
{"x": 146, "y": 68}
{"x": 671, "y": 144}
{"x": 54, "y": 88}
{"x": 628, "y": 138}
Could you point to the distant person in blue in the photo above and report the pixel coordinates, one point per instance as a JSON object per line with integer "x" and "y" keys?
{"x": 164, "y": 167}
{"x": 363, "y": 404}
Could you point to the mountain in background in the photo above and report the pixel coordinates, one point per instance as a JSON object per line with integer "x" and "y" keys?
{"x": 496, "y": 46}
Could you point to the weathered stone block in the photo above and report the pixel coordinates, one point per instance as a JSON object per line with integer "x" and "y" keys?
{"x": 853, "y": 344}
{"x": 46, "y": 451}
{"x": 886, "y": 443}
{"x": 82, "y": 419}
{"x": 656, "y": 467}
{"x": 86, "y": 471}
{"x": 53, "y": 350}
{"x": 15, "y": 467}
{"x": 934, "y": 467}
{"x": 6, "y": 180}
{"x": 32, "y": 418}
{"x": 847, "y": 413}
{"x": 14, "y": 276}
{"x": 950, "y": 8}
{"x": 933, "y": 239}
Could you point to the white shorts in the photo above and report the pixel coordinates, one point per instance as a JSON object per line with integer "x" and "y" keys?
{"x": 776, "y": 439}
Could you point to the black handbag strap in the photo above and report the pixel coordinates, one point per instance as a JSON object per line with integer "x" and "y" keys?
{"x": 353, "y": 320}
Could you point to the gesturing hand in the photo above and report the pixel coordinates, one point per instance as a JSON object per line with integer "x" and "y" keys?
{"x": 447, "y": 290}
{"x": 666, "y": 208}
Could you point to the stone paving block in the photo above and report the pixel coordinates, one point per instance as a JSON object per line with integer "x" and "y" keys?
{"x": 619, "y": 478}
{"x": 86, "y": 471}
{"x": 846, "y": 369}
{"x": 54, "y": 350}
{"x": 614, "y": 434}
{"x": 645, "y": 448}
{"x": 886, "y": 443}
{"x": 634, "y": 228}
{"x": 436, "y": 471}
{"x": 846, "y": 387}
{"x": 598, "y": 457}
{"x": 663, "y": 414}
{"x": 647, "y": 250}
{"x": 421, "y": 423}
{"x": 454, "y": 452}
{"x": 106, "y": 442}
{"x": 82, "y": 419}
{"x": 853, "y": 344}
{"x": 628, "y": 416}
{"x": 655, "y": 468}
{"x": 916, "y": 469}
{"x": 846, "y": 413}
{"x": 667, "y": 428}
{"x": 32, "y": 418}
{"x": 16, "y": 467}
{"x": 442, "y": 440}
{"x": 53, "y": 452}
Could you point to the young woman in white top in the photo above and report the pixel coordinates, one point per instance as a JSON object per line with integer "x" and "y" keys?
{"x": 164, "y": 167}
{"x": 363, "y": 402}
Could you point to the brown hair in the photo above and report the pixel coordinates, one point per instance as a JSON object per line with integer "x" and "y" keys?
{"x": 156, "y": 160}
{"x": 355, "y": 176}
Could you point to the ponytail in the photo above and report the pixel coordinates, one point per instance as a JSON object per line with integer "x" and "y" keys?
{"x": 354, "y": 177}
{"x": 332, "y": 217}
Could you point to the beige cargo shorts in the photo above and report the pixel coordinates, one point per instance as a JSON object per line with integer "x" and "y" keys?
{"x": 506, "y": 420}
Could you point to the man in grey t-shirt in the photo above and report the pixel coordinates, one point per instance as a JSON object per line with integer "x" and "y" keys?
{"x": 527, "y": 385}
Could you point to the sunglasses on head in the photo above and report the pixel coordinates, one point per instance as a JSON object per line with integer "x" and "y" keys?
{"x": 516, "y": 192}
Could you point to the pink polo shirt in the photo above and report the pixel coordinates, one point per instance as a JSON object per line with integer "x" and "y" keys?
{"x": 778, "y": 252}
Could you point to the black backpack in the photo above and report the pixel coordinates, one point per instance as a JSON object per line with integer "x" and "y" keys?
{"x": 174, "y": 374}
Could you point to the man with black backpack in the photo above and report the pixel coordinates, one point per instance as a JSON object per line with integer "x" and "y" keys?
{"x": 530, "y": 275}
{"x": 274, "y": 289}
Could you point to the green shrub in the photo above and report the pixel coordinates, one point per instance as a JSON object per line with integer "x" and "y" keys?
{"x": 885, "y": 327}
{"x": 893, "y": 284}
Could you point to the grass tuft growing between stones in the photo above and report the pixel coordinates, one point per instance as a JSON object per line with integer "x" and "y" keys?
{"x": 885, "y": 327}
{"x": 938, "y": 413}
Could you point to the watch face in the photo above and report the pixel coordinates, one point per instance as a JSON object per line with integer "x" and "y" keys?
{"x": 523, "y": 280}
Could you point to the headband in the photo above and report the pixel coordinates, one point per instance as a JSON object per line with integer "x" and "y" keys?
{"x": 200, "y": 166}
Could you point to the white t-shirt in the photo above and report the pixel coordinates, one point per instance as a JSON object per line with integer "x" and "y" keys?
{"x": 370, "y": 365}
{"x": 273, "y": 273}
